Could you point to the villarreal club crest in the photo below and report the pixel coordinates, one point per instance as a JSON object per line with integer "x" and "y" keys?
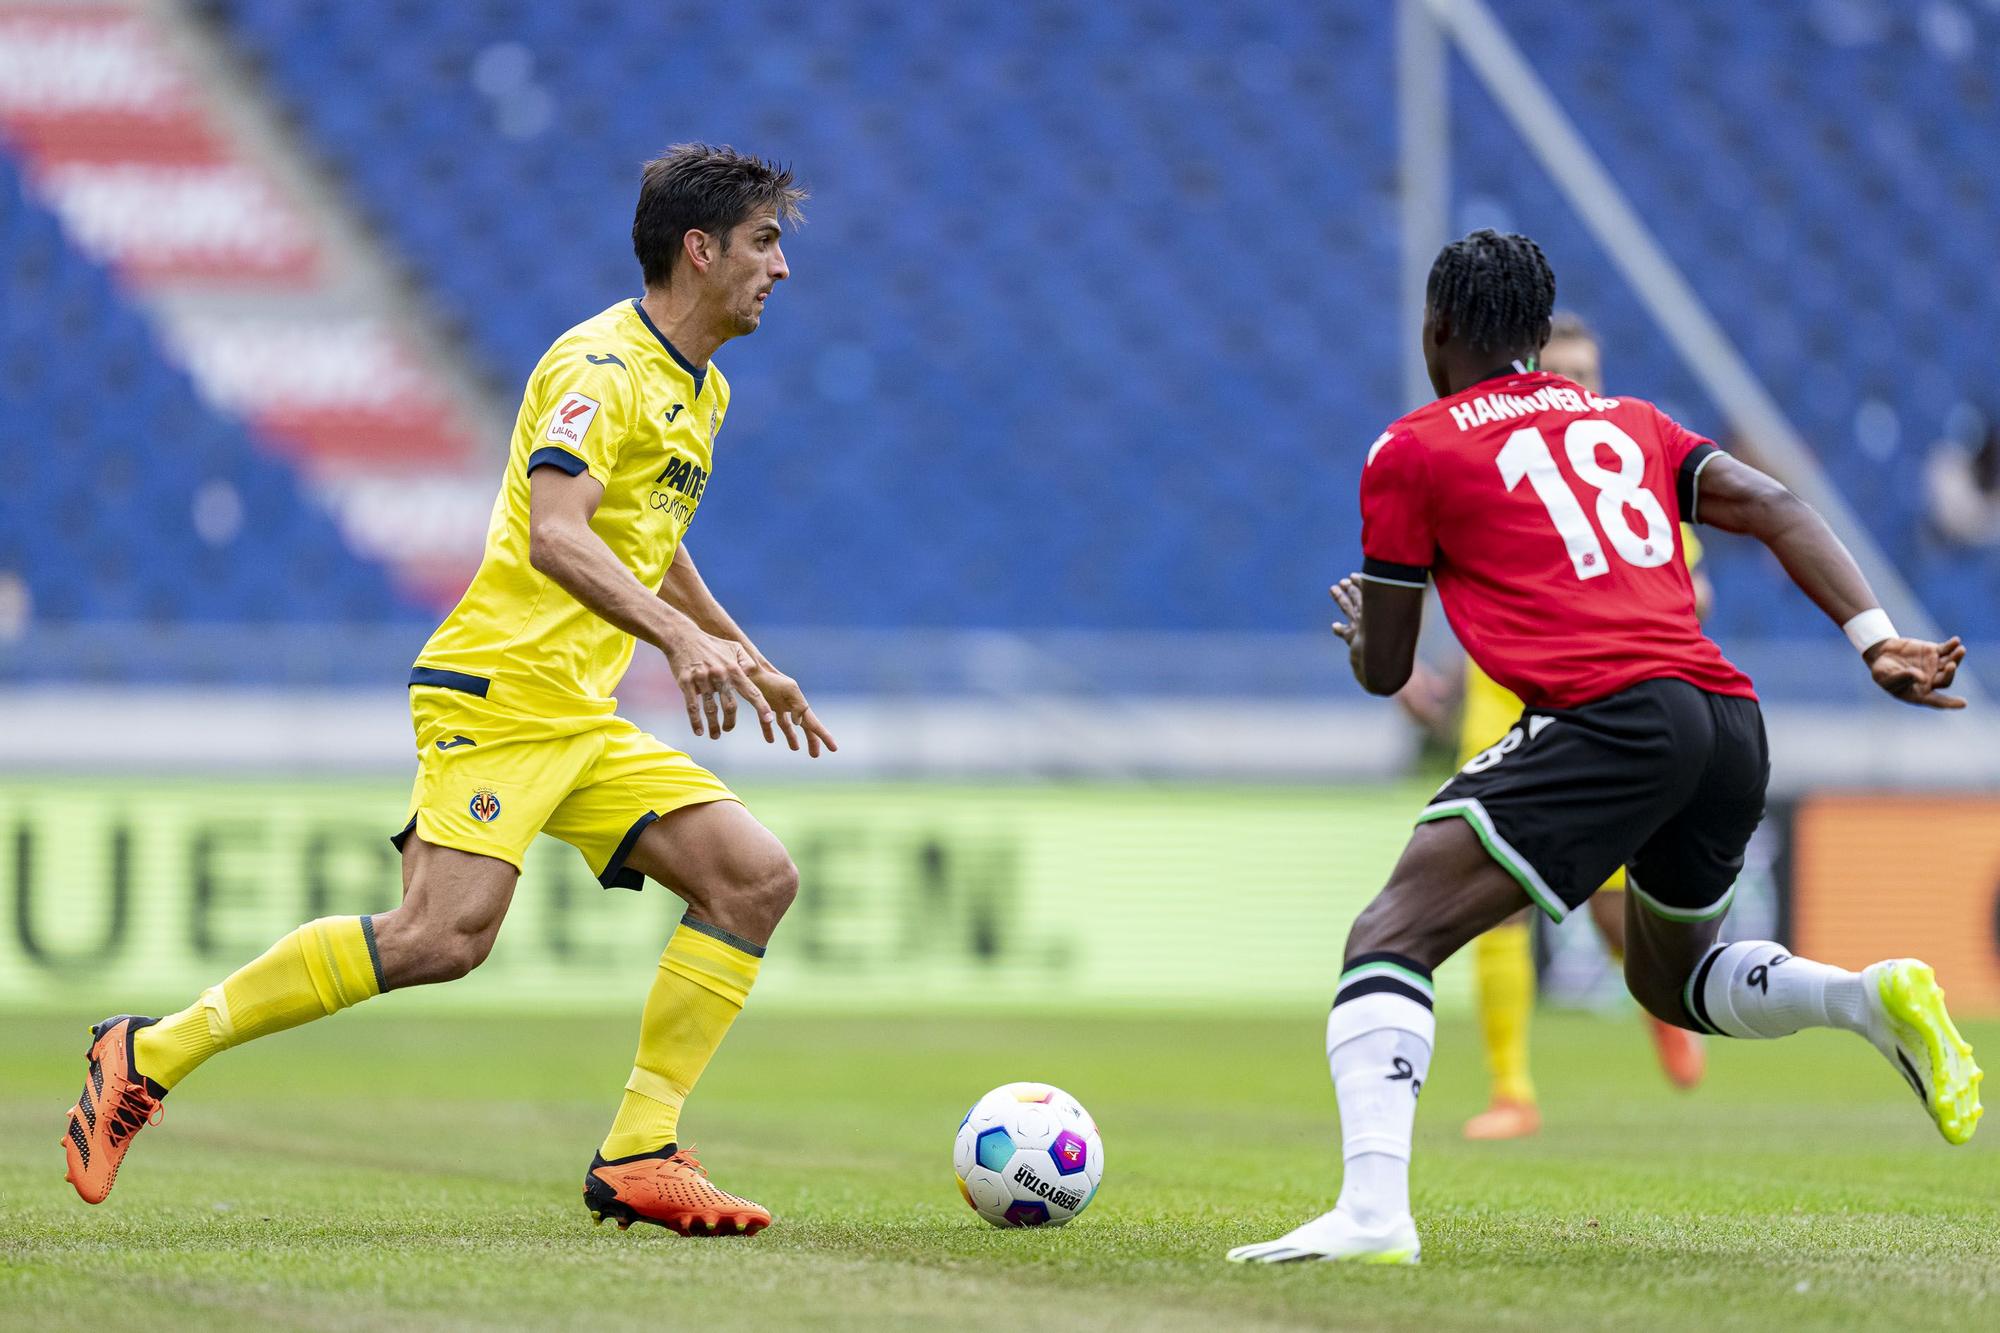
{"x": 485, "y": 806}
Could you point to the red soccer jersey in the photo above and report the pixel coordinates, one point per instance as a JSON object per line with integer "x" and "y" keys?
{"x": 1549, "y": 518}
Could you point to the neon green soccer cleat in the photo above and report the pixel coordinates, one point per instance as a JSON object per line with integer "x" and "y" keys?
{"x": 1909, "y": 1025}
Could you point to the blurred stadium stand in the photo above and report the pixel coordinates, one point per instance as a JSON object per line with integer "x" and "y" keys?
{"x": 1093, "y": 316}
{"x": 189, "y": 321}
{"x": 1107, "y": 371}
{"x": 129, "y": 499}
{"x": 1827, "y": 175}
{"x": 1208, "y": 221}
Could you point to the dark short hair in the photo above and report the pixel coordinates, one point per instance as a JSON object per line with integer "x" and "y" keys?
{"x": 1569, "y": 324}
{"x": 1497, "y": 291}
{"x": 702, "y": 187}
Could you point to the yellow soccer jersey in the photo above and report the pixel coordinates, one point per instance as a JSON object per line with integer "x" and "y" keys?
{"x": 1489, "y": 708}
{"x": 614, "y": 398}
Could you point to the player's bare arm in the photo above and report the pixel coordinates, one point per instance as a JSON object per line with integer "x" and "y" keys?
{"x": 1385, "y": 655}
{"x": 686, "y": 591}
{"x": 561, "y": 545}
{"x": 1736, "y": 497}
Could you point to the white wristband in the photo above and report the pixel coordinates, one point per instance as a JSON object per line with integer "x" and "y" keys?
{"x": 1868, "y": 629}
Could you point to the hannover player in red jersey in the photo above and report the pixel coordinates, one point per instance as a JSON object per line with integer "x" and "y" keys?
{"x": 1549, "y": 518}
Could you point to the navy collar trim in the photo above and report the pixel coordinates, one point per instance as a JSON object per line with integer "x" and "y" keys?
{"x": 698, "y": 376}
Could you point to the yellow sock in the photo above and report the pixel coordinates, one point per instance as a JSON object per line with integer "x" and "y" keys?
{"x": 705, "y": 976}
{"x": 321, "y": 968}
{"x": 1503, "y": 965}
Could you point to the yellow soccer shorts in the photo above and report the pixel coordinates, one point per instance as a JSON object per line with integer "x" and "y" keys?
{"x": 490, "y": 778}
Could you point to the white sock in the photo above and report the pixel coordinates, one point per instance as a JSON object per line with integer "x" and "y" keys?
{"x": 1378, "y": 1043}
{"x": 1756, "y": 988}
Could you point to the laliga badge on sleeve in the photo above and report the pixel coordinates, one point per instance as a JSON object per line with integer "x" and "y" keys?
{"x": 570, "y": 422}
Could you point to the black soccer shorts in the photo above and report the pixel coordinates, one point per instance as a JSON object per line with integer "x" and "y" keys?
{"x": 1663, "y": 778}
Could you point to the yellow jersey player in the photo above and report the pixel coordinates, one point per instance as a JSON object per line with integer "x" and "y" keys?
{"x": 1503, "y": 958}
{"x": 517, "y": 731}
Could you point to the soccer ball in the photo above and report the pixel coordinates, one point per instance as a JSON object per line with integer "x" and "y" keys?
{"x": 1028, "y": 1155}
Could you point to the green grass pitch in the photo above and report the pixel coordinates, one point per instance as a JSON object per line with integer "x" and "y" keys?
{"x": 383, "y": 1170}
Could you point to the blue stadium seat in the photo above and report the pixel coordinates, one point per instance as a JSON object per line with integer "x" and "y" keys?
{"x": 98, "y": 518}
{"x": 1115, "y": 282}
{"x": 1833, "y": 205}
{"x": 1089, "y": 300}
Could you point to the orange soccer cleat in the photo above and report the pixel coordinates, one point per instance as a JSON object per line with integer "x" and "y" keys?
{"x": 117, "y": 1102}
{"x": 1682, "y": 1057}
{"x": 670, "y": 1189}
{"x": 1505, "y": 1119}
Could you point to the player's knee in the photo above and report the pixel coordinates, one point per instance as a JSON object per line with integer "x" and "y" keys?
{"x": 418, "y": 949}
{"x": 456, "y": 953}
{"x": 446, "y": 953}
{"x": 769, "y": 890}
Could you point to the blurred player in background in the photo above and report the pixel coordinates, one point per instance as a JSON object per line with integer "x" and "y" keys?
{"x": 517, "y": 731}
{"x": 1503, "y": 959}
{"x": 1548, "y": 515}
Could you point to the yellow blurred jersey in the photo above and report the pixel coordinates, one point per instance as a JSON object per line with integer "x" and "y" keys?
{"x": 612, "y": 397}
{"x": 1490, "y": 709}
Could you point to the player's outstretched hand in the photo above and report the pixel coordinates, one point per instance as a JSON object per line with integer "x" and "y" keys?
{"x": 795, "y": 715}
{"x": 712, "y": 673}
{"x": 1914, "y": 670}
{"x": 1347, "y": 595}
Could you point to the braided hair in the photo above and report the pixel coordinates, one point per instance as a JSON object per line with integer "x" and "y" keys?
{"x": 1497, "y": 291}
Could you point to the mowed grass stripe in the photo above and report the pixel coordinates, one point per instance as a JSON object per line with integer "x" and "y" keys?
{"x": 382, "y": 1171}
